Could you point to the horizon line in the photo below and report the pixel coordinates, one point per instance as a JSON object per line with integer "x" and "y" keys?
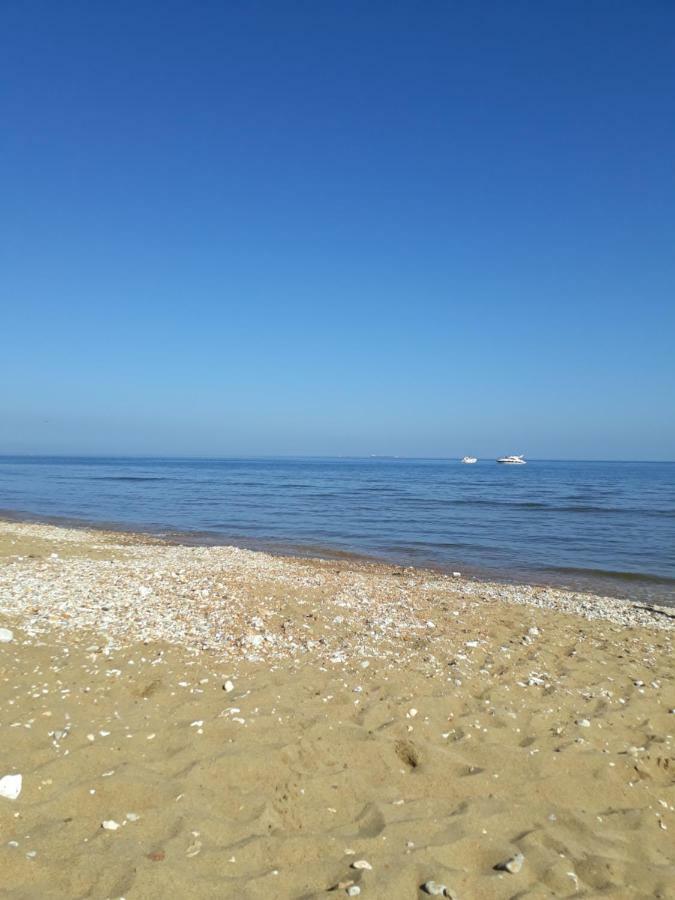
{"x": 300, "y": 456}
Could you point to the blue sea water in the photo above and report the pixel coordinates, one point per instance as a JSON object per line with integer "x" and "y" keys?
{"x": 603, "y": 526}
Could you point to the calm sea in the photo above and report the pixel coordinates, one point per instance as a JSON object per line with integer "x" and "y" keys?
{"x": 604, "y": 526}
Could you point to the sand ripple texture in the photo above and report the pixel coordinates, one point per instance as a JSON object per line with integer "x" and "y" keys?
{"x": 425, "y": 726}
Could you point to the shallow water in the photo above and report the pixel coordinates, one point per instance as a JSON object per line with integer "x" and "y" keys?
{"x": 605, "y": 526}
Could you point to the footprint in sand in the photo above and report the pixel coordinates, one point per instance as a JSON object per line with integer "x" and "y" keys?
{"x": 407, "y": 752}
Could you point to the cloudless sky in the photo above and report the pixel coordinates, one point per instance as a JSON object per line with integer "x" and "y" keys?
{"x": 338, "y": 228}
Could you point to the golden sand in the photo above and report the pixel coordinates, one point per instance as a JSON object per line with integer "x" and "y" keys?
{"x": 210, "y": 722}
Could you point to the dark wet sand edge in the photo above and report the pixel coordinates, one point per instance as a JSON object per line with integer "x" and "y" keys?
{"x": 608, "y": 584}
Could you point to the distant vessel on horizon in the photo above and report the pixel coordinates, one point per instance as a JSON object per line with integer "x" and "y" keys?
{"x": 469, "y": 459}
{"x": 512, "y": 460}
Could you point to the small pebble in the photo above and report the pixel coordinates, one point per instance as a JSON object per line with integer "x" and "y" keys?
{"x": 6, "y": 635}
{"x": 513, "y": 865}
{"x": 361, "y": 864}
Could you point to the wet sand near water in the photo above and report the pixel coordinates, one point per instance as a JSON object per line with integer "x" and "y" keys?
{"x": 211, "y": 722}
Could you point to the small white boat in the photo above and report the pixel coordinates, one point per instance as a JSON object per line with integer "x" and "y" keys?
{"x": 469, "y": 459}
{"x": 512, "y": 460}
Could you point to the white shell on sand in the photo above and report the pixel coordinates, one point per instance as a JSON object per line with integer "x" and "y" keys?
{"x": 434, "y": 889}
{"x": 361, "y": 864}
{"x": 6, "y": 636}
{"x": 10, "y": 786}
{"x": 110, "y": 825}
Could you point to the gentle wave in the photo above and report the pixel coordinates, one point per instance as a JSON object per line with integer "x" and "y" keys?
{"x": 127, "y": 478}
{"x": 614, "y": 573}
{"x": 581, "y": 508}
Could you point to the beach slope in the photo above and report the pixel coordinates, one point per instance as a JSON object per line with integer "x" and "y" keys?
{"x": 211, "y": 722}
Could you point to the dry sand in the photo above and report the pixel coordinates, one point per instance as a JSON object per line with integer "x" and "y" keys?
{"x": 250, "y": 726}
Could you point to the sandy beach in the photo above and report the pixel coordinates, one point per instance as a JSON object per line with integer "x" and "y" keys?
{"x": 215, "y": 722}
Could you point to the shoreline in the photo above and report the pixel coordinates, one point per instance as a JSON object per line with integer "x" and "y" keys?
{"x": 603, "y": 584}
{"x": 213, "y": 722}
{"x": 202, "y": 562}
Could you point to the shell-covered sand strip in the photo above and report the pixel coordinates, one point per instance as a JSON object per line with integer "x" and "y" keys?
{"x": 236, "y": 601}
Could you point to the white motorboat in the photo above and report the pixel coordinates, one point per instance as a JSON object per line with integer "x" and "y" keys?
{"x": 469, "y": 459}
{"x": 512, "y": 460}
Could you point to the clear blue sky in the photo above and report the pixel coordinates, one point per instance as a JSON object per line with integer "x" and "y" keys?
{"x": 338, "y": 228}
